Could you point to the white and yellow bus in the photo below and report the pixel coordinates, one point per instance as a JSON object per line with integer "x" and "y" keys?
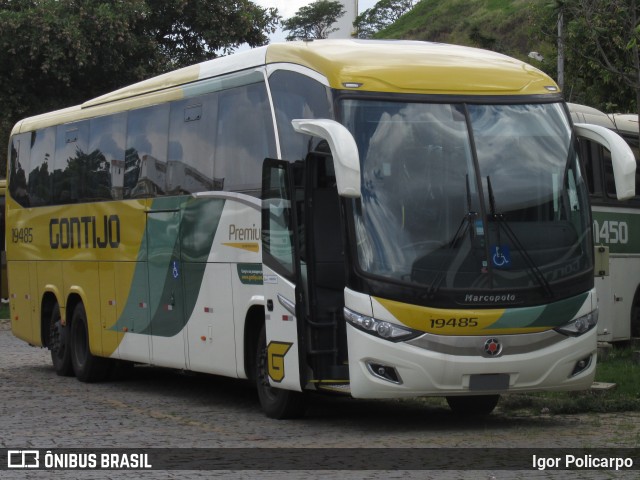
{"x": 382, "y": 219}
{"x": 616, "y": 229}
{"x": 4, "y": 292}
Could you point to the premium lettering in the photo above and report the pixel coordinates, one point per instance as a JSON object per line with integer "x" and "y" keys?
{"x": 243, "y": 234}
{"x": 84, "y": 232}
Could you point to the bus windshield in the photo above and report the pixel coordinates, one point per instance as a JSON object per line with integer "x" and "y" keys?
{"x": 469, "y": 196}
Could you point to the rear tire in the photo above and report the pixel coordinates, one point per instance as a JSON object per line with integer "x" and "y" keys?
{"x": 473, "y": 405}
{"x": 59, "y": 344}
{"x": 87, "y": 367}
{"x": 276, "y": 402}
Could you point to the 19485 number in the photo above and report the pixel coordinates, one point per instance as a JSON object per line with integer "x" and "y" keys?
{"x": 454, "y": 322}
{"x": 22, "y": 235}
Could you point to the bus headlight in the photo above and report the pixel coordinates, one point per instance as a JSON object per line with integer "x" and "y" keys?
{"x": 380, "y": 328}
{"x": 580, "y": 325}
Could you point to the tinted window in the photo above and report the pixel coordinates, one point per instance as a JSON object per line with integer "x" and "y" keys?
{"x": 297, "y": 96}
{"x": 191, "y": 136}
{"x": 146, "y": 153}
{"x": 599, "y": 172}
{"x": 71, "y": 163}
{"x": 43, "y": 144}
{"x": 106, "y": 146}
{"x": 245, "y": 137}
{"x": 18, "y": 168}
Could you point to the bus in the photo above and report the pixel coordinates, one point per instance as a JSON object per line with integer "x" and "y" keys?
{"x": 380, "y": 219}
{"x": 616, "y": 229}
{"x": 4, "y": 292}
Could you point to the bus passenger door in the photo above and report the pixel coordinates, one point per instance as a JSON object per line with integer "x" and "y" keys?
{"x": 166, "y": 295}
{"x": 283, "y": 272}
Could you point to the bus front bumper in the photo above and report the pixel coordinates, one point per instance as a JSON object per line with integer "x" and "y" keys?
{"x": 548, "y": 361}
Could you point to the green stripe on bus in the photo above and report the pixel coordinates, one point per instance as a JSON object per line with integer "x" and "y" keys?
{"x": 178, "y": 270}
{"x": 551, "y": 315}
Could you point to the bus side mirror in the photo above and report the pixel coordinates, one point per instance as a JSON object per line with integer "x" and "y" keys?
{"x": 346, "y": 160}
{"x": 624, "y": 163}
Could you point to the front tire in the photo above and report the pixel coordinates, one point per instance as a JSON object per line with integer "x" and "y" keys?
{"x": 276, "y": 402}
{"x": 473, "y": 405}
{"x": 59, "y": 344}
{"x": 87, "y": 367}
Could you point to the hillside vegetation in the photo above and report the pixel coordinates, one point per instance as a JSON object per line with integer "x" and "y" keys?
{"x": 505, "y": 26}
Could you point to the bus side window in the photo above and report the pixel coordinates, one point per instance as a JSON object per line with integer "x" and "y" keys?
{"x": 610, "y": 184}
{"x": 245, "y": 137}
{"x": 71, "y": 164}
{"x": 191, "y": 136}
{"x": 39, "y": 175}
{"x": 297, "y": 96}
{"x": 19, "y": 168}
{"x": 146, "y": 153}
{"x": 106, "y": 147}
{"x": 592, "y": 155}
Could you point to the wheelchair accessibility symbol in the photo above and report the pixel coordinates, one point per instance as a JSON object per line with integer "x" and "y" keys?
{"x": 175, "y": 272}
{"x": 501, "y": 256}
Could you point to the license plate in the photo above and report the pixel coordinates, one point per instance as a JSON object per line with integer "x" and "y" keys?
{"x": 490, "y": 381}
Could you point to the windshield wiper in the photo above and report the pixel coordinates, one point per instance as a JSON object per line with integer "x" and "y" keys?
{"x": 466, "y": 223}
{"x": 502, "y": 222}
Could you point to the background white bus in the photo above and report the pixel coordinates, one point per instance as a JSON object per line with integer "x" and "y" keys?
{"x": 616, "y": 229}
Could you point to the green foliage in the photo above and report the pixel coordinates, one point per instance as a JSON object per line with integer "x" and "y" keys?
{"x": 501, "y": 25}
{"x": 314, "y": 20}
{"x": 191, "y": 31}
{"x": 602, "y": 62}
{"x": 602, "y": 68}
{"x": 57, "y": 53}
{"x": 380, "y": 16}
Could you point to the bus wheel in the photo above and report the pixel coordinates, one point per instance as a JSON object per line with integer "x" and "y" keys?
{"x": 59, "y": 344}
{"x": 473, "y": 405}
{"x": 276, "y": 402}
{"x": 87, "y": 367}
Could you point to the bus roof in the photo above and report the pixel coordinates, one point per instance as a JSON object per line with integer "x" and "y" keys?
{"x": 373, "y": 65}
{"x": 626, "y": 122}
{"x": 399, "y": 66}
{"x": 623, "y": 123}
{"x": 585, "y": 114}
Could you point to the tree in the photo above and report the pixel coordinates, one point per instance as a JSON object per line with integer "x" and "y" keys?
{"x": 314, "y": 20}
{"x": 191, "y": 31}
{"x": 57, "y": 53}
{"x": 601, "y": 49}
{"x": 381, "y": 15}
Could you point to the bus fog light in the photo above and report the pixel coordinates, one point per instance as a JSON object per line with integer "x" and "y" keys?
{"x": 384, "y": 372}
{"x": 581, "y": 365}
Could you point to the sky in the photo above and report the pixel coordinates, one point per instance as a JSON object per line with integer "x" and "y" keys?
{"x": 288, "y": 8}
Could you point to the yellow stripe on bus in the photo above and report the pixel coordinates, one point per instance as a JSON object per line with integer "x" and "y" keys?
{"x": 444, "y": 321}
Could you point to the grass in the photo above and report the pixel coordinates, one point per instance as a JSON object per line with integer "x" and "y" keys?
{"x": 619, "y": 368}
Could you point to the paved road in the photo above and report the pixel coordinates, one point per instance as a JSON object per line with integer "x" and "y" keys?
{"x": 155, "y": 408}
